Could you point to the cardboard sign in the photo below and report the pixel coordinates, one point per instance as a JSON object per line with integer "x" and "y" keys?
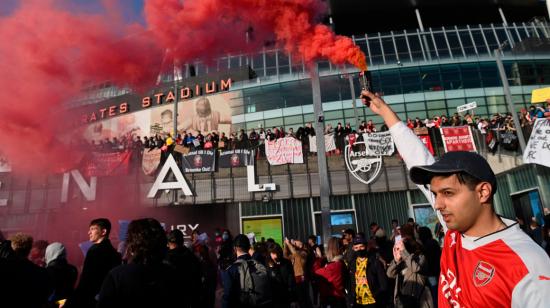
{"x": 379, "y": 144}
{"x": 466, "y": 107}
{"x": 538, "y": 147}
{"x": 282, "y": 151}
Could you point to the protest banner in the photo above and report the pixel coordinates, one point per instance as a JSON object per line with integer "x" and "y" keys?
{"x": 330, "y": 144}
{"x": 150, "y": 161}
{"x": 458, "y": 138}
{"x": 282, "y": 151}
{"x": 379, "y": 144}
{"x": 199, "y": 161}
{"x": 107, "y": 164}
{"x": 537, "y": 150}
{"x": 236, "y": 158}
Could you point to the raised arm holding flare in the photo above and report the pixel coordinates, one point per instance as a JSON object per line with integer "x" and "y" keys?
{"x": 487, "y": 260}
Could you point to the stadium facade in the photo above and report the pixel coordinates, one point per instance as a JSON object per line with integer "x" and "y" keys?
{"x": 424, "y": 68}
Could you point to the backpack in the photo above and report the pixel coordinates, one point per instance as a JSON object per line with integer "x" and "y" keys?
{"x": 254, "y": 282}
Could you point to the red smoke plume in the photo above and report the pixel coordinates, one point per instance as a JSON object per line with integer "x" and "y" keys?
{"x": 48, "y": 52}
{"x": 196, "y": 29}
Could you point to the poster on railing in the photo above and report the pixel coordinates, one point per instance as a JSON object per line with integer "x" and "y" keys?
{"x": 330, "y": 145}
{"x": 538, "y": 147}
{"x": 236, "y": 158}
{"x": 427, "y": 142}
{"x": 199, "y": 161}
{"x": 150, "y": 161}
{"x": 458, "y": 138}
{"x": 379, "y": 144}
{"x": 282, "y": 151}
{"x": 108, "y": 164}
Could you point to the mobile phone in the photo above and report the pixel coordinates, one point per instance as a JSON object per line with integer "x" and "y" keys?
{"x": 398, "y": 239}
{"x": 366, "y": 84}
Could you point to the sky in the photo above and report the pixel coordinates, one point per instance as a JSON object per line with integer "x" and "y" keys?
{"x": 133, "y": 9}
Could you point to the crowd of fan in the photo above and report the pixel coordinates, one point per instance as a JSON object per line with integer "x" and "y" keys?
{"x": 155, "y": 268}
{"x": 498, "y": 127}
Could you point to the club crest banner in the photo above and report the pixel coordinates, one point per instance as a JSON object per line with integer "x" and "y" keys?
{"x": 199, "y": 161}
{"x": 282, "y": 151}
{"x": 150, "y": 161}
{"x": 236, "y": 158}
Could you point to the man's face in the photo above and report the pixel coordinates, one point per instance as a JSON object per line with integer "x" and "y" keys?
{"x": 96, "y": 234}
{"x": 459, "y": 206}
{"x": 359, "y": 247}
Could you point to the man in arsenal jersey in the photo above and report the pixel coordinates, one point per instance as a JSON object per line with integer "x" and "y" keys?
{"x": 487, "y": 260}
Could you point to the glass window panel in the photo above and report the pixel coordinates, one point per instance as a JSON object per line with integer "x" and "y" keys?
{"x": 389, "y": 51}
{"x": 297, "y": 119}
{"x": 258, "y": 64}
{"x": 454, "y": 43}
{"x": 254, "y": 125}
{"x": 414, "y": 43}
{"x": 222, "y": 63}
{"x": 470, "y": 75}
{"x": 417, "y": 114}
{"x": 389, "y": 79}
{"x": 416, "y": 106}
{"x": 495, "y": 100}
{"x": 491, "y": 40}
{"x": 489, "y": 74}
{"x": 308, "y": 118}
{"x": 437, "y": 112}
{"x": 480, "y": 43}
{"x": 375, "y": 50}
{"x": 398, "y": 107}
{"x": 467, "y": 43}
{"x": 283, "y": 63}
{"x": 501, "y": 33}
{"x": 437, "y": 104}
{"x": 431, "y": 78}
{"x": 441, "y": 45}
{"x": 331, "y": 115}
{"x": 234, "y": 61}
{"x": 497, "y": 109}
{"x": 453, "y": 103}
{"x": 331, "y": 87}
{"x": 450, "y": 74}
{"x": 402, "y": 50}
{"x": 410, "y": 79}
{"x": 276, "y": 122}
{"x": 542, "y": 71}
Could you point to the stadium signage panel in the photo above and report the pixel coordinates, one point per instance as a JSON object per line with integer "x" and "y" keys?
{"x": 158, "y": 98}
{"x": 361, "y": 164}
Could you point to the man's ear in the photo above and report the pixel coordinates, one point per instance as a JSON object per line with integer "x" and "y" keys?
{"x": 103, "y": 232}
{"x": 484, "y": 191}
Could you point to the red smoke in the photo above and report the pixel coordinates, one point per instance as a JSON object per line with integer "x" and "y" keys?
{"x": 49, "y": 51}
{"x": 210, "y": 28}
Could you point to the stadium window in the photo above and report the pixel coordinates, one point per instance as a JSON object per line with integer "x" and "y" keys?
{"x": 431, "y": 78}
{"x": 489, "y": 74}
{"x": 436, "y": 104}
{"x": 450, "y": 74}
{"x": 410, "y": 79}
{"x": 470, "y": 75}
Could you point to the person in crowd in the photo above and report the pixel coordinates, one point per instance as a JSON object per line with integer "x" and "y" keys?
{"x": 245, "y": 282}
{"x": 432, "y": 251}
{"x": 371, "y": 128}
{"x": 62, "y": 274}
{"x": 407, "y": 269}
{"x": 535, "y": 231}
{"x": 225, "y": 253}
{"x": 374, "y": 229}
{"x": 394, "y": 229}
{"x": 296, "y": 252}
{"x": 145, "y": 281}
{"x": 281, "y": 276}
{"x": 368, "y": 278}
{"x": 209, "y": 274}
{"x": 254, "y": 138}
{"x": 187, "y": 268}
{"x": 38, "y": 251}
{"x": 347, "y": 245}
{"x": 331, "y": 274}
{"x": 461, "y": 186}
{"x": 23, "y": 283}
{"x": 418, "y": 123}
{"x": 243, "y": 140}
{"x": 100, "y": 259}
{"x": 339, "y": 136}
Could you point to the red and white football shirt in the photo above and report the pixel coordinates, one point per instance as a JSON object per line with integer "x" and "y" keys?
{"x": 502, "y": 269}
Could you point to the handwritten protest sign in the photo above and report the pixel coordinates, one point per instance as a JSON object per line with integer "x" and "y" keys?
{"x": 458, "y": 138}
{"x": 538, "y": 147}
{"x": 379, "y": 144}
{"x": 284, "y": 151}
{"x": 330, "y": 145}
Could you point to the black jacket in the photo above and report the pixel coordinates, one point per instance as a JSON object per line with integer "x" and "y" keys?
{"x": 140, "y": 285}
{"x": 63, "y": 276}
{"x": 23, "y": 284}
{"x": 283, "y": 283}
{"x": 100, "y": 259}
{"x": 376, "y": 277}
{"x": 188, "y": 270}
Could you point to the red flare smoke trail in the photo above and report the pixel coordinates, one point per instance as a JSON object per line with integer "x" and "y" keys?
{"x": 48, "y": 52}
